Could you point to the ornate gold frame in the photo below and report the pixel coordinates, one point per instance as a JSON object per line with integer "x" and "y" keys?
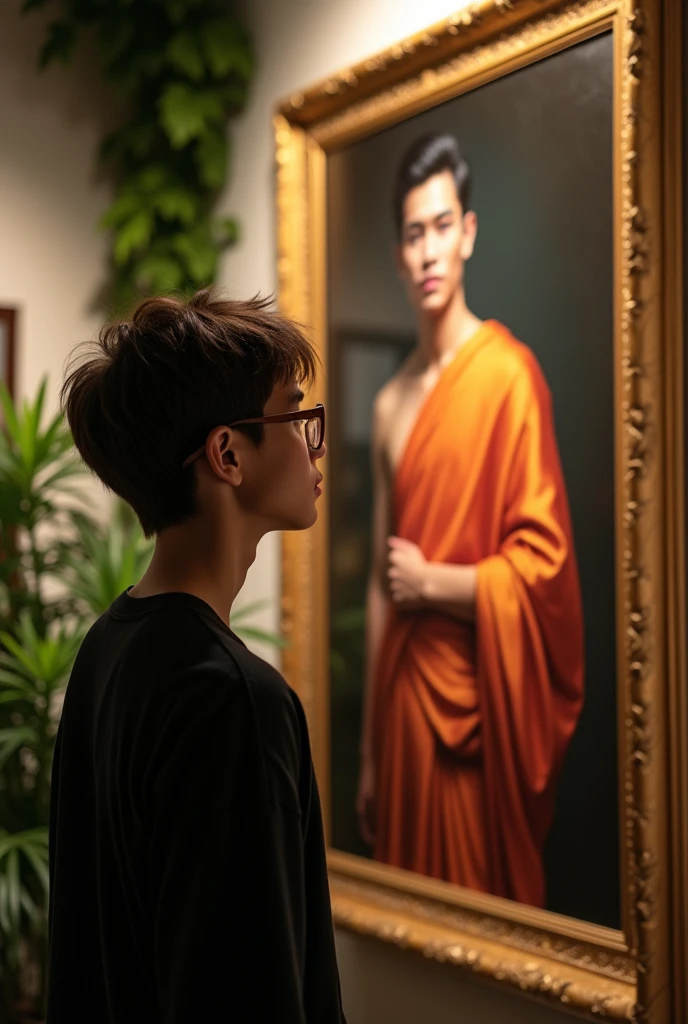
{"x": 637, "y": 973}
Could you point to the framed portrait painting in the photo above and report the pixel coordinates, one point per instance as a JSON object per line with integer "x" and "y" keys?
{"x": 486, "y": 627}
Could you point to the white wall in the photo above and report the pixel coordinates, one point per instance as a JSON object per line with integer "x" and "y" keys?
{"x": 299, "y": 42}
{"x": 52, "y": 260}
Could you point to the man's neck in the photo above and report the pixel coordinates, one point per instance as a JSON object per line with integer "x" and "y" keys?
{"x": 200, "y": 558}
{"x": 441, "y": 335}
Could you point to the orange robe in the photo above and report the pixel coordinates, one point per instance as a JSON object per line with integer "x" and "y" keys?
{"x": 471, "y": 723}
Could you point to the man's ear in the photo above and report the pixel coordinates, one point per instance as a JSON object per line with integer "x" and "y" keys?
{"x": 470, "y": 230}
{"x": 224, "y": 451}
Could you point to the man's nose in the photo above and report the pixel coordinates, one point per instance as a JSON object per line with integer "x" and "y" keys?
{"x": 429, "y": 248}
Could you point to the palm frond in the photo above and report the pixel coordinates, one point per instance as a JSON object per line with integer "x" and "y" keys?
{"x": 13, "y": 739}
{"x": 112, "y": 560}
{"x": 23, "y": 862}
{"x": 244, "y": 611}
{"x": 37, "y": 664}
{"x": 262, "y": 636}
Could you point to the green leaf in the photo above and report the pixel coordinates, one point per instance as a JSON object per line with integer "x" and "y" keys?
{"x": 349, "y": 620}
{"x": 226, "y": 231}
{"x": 199, "y": 254}
{"x": 176, "y": 10}
{"x": 151, "y": 178}
{"x": 261, "y": 636}
{"x": 211, "y": 158}
{"x": 186, "y": 113}
{"x": 135, "y": 234}
{"x": 135, "y": 68}
{"x": 13, "y": 887}
{"x": 234, "y": 96}
{"x": 133, "y": 140}
{"x": 13, "y": 696}
{"x": 176, "y": 204}
{"x": 38, "y": 858}
{"x": 248, "y": 632}
{"x": 58, "y": 44}
{"x": 10, "y": 677}
{"x": 115, "y": 559}
{"x": 19, "y": 851}
{"x": 71, "y": 467}
{"x": 9, "y": 414}
{"x": 244, "y": 611}
{"x": 43, "y": 662}
{"x": 184, "y": 55}
{"x": 158, "y": 274}
{"x": 116, "y": 35}
{"x": 227, "y": 48}
{"x": 13, "y": 739}
{"x": 122, "y": 210}
{"x": 337, "y": 663}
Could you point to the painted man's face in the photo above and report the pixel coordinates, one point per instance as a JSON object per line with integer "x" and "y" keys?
{"x": 437, "y": 238}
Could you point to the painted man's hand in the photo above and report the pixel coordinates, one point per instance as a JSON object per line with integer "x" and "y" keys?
{"x": 406, "y": 574}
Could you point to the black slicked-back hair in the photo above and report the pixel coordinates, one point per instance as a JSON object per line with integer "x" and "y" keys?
{"x": 426, "y": 157}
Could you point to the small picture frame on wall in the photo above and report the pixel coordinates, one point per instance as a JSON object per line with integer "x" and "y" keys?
{"x": 8, "y": 333}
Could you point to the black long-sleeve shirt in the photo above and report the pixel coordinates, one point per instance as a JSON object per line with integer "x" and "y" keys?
{"x": 187, "y": 860}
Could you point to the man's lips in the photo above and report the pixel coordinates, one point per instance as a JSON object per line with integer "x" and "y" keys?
{"x": 430, "y": 283}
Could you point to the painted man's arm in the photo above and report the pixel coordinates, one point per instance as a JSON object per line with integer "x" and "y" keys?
{"x": 451, "y": 589}
{"x": 416, "y": 584}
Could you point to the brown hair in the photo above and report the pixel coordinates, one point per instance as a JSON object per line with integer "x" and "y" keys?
{"x": 151, "y": 389}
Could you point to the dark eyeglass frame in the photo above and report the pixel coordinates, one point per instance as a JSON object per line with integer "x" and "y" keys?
{"x": 281, "y": 417}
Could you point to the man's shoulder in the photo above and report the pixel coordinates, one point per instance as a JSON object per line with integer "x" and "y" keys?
{"x": 253, "y": 685}
{"x": 280, "y": 723}
{"x": 267, "y": 687}
{"x": 509, "y": 360}
{"x": 173, "y": 638}
{"x": 217, "y": 675}
{"x": 392, "y": 390}
{"x": 214, "y": 653}
{"x": 169, "y": 649}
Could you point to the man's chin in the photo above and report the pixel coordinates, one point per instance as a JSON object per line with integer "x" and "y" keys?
{"x": 301, "y": 522}
{"x": 435, "y": 302}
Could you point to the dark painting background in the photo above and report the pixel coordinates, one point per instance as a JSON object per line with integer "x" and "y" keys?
{"x": 539, "y": 142}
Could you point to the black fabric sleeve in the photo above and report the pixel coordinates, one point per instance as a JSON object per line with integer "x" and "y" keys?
{"x": 226, "y": 870}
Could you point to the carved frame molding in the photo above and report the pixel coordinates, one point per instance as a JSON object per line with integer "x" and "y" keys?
{"x": 627, "y": 975}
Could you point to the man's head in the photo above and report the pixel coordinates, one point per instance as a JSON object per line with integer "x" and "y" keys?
{"x": 436, "y": 228}
{"x": 174, "y": 377}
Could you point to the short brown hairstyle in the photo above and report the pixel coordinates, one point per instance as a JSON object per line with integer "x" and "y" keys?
{"x": 151, "y": 388}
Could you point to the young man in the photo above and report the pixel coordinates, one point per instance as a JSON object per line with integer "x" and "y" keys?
{"x": 188, "y": 877}
{"x": 475, "y": 648}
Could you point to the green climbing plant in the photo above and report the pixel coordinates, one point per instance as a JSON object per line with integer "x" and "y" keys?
{"x": 183, "y": 68}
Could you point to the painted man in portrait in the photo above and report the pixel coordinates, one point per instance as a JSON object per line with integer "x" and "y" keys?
{"x": 474, "y": 619}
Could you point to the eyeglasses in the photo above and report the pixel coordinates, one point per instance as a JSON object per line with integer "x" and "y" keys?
{"x": 313, "y": 428}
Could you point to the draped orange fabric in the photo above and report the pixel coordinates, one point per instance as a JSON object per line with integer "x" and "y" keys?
{"x": 471, "y": 723}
